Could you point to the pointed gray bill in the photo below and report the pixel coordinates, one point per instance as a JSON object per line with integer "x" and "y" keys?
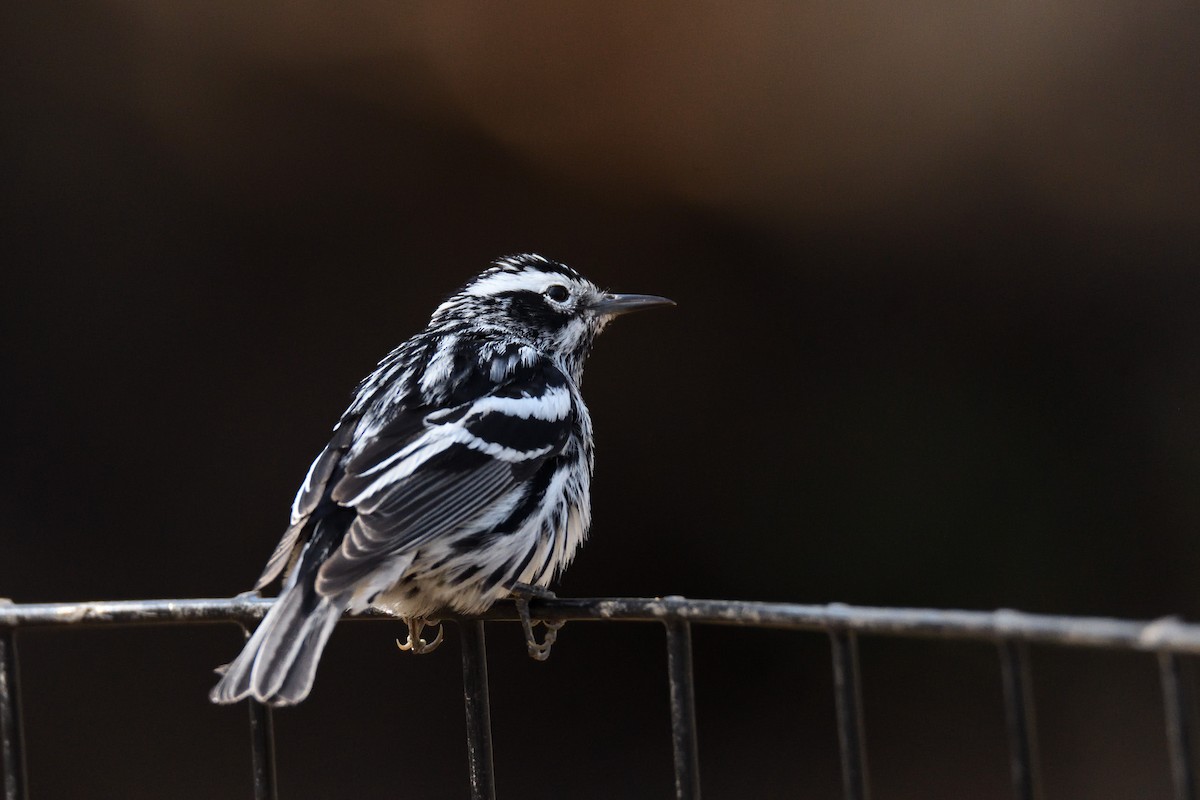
{"x": 611, "y": 305}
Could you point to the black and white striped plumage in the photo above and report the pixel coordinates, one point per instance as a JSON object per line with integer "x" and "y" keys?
{"x": 461, "y": 468}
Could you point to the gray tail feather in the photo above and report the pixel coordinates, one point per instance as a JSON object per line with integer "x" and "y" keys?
{"x": 279, "y": 663}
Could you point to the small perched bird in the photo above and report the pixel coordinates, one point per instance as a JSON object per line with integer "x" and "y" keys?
{"x": 460, "y": 472}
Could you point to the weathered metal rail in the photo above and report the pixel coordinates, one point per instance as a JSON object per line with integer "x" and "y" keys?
{"x": 1169, "y": 639}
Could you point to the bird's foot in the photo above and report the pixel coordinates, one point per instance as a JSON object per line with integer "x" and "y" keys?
{"x": 415, "y": 643}
{"x": 522, "y": 593}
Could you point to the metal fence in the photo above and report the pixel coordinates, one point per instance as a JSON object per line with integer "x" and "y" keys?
{"x": 1168, "y": 639}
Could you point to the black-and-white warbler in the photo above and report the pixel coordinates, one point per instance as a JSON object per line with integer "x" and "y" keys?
{"x": 461, "y": 470}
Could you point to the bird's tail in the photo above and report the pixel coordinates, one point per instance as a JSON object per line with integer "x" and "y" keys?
{"x": 279, "y": 662}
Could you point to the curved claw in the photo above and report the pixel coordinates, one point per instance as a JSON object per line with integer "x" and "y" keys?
{"x": 415, "y": 643}
{"x": 538, "y": 651}
{"x": 541, "y": 651}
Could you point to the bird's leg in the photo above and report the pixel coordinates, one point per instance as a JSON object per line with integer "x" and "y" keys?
{"x": 415, "y": 643}
{"x": 522, "y": 593}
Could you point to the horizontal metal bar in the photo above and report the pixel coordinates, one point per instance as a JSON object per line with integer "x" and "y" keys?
{"x": 1163, "y": 635}
{"x": 135, "y": 612}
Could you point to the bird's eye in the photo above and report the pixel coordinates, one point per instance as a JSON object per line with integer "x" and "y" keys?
{"x": 558, "y": 293}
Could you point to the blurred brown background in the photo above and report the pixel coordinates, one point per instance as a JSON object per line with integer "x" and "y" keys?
{"x": 936, "y": 344}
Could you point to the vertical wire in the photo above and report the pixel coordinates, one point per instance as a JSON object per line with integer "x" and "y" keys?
{"x": 12, "y": 744}
{"x": 683, "y": 710}
{"x": 1021, "y": 723}
{"x": 262, "y": 751}
{"x": 848, "y": 697}
{"x": 1179, "y": 734}
{"x": 478, "y": 709}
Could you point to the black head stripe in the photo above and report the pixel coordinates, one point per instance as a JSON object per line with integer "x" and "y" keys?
{"x": 528, "y": 262}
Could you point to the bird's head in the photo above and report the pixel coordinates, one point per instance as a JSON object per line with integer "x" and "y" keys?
{"x": 540, "y": 302}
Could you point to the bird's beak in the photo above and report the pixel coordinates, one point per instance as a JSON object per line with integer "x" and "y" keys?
{"x": 612, "y": 305}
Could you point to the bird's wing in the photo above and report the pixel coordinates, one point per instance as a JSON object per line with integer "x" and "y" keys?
{"x": 410, "y": 488}
{"x": 313, "y": 491}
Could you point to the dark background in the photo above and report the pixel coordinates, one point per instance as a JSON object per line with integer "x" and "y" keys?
{"x": 936, "y": 344}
